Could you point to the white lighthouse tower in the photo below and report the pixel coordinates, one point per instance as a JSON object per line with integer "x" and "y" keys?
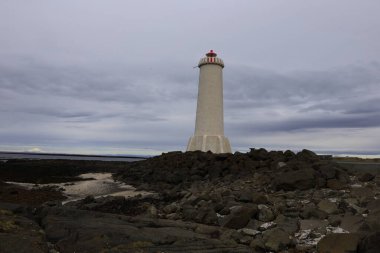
{"x": 209, "y": 125}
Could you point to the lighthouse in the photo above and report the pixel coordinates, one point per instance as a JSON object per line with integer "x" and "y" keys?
{"x": 209, "y": 123}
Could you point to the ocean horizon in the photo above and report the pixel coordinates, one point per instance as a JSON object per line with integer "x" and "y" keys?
{"x": 129, "y": 157}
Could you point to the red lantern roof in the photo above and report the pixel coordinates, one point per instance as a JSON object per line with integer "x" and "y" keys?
{"x": 211, "y": 53}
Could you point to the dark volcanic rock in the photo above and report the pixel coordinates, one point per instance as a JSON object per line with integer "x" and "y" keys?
{"x": 334, "y": 184}
{"x": 239, "y": 217}
{"x": 117, "y": 204}
{"x": 374, "y": 205}
{"x": 15, "y": 194}
{"x": 362, "y": 194}
{"x": 259, "y": 198}
{"x": 285, "y": 171}
{"x": 87, "y": 231}
{"x": 289, "y": 225}
{"x": 352, "y": 223}
{"x": 272, "y": 201}
{"x": 276, "y": 239}
{"x": 19, "y": 234}
{"x": 291, "y": 180}
{"x": 328, "y": 171}
{"x": 312, "y": 212}
{"x": 338, "y": 243}
{"x": 265, "y": 214}
{"x": 366, "y": 177}
{"x": 327, "y": 206}
{"x": 307, "y": 155}
{"x": 373, "y": 221}
{"x": 258, "y": 154}
{"x": 245, "y": 195}
{"x": 370, "y": 244}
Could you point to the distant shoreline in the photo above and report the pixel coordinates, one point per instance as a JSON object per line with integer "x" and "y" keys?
{"x": 64, "y": 154}
{"x": 4, "y": 155}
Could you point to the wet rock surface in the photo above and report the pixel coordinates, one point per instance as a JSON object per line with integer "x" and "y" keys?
{"x": 255, "y": 202}
{"x": 20, "y": 234}
{"x": 11, "y": 193}
{"x": 339, "y": 243}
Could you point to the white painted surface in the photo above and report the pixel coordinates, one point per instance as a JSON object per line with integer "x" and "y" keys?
{"x": 209, "y": 125}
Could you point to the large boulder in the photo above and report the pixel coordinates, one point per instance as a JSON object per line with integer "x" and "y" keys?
{"x": 335, "y": 184}
{"x": 352, "y": 223}
{"x": 366, "y": 177}
{"x": 239, "y": 217}
{"x": 312, "y": 212}
{"x": 328, "y": 206}
{"x": 313, "y": 224}
{"x": 372, "y": 221}
{"x": 328, "y": 171}
{"x": 307, "y": 155}
{"x": 362, "y": 194}
{"x": 258, "y": 154}
{"x": 265, "y": 214}
{"x": 373, "y": 205}
{"x": 259, "y": 198}
{"x": 276, "y": 239}
{"x": 338, "y": 243}
{"x": 245, "y": 195}
{"x": 302, "y": 179}
{"x": 289, "y": 225}
{"x": 370, "y": 244}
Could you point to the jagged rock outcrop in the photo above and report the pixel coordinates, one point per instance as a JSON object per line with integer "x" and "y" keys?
{"x": 275, "y": 169}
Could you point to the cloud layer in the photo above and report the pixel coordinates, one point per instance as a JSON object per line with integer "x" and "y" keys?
{"x": 49, "y": 105}
{"x": 96, "y": 77}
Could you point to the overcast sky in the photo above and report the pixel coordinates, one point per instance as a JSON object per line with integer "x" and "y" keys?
{"x": 118, "y": 76}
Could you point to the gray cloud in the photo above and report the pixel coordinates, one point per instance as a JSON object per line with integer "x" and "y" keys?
{"x": 305, "y": 123}
{"x": 302, "y": 87}
{"x": 121, "y": 74}
{"x": 257, "y": 102}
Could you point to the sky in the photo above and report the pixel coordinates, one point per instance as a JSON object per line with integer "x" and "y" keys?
{"x": 120, "y": 77}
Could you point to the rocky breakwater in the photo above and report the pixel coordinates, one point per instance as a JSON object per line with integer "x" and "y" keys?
{"x": 259, "y": 201}
{"x": 268, "y": 201}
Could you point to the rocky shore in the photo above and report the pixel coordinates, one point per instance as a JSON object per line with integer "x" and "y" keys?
{"x": 259, "y": 201}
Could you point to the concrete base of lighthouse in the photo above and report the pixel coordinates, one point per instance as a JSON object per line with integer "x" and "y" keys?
{"x": 214, "y": 143}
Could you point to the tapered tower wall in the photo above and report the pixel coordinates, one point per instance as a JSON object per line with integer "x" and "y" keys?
{"x": 209, "y": 125}
{"x": 209, "y": 120}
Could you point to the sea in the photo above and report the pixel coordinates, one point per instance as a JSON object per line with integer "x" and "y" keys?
{"x": 28, "y": 155}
